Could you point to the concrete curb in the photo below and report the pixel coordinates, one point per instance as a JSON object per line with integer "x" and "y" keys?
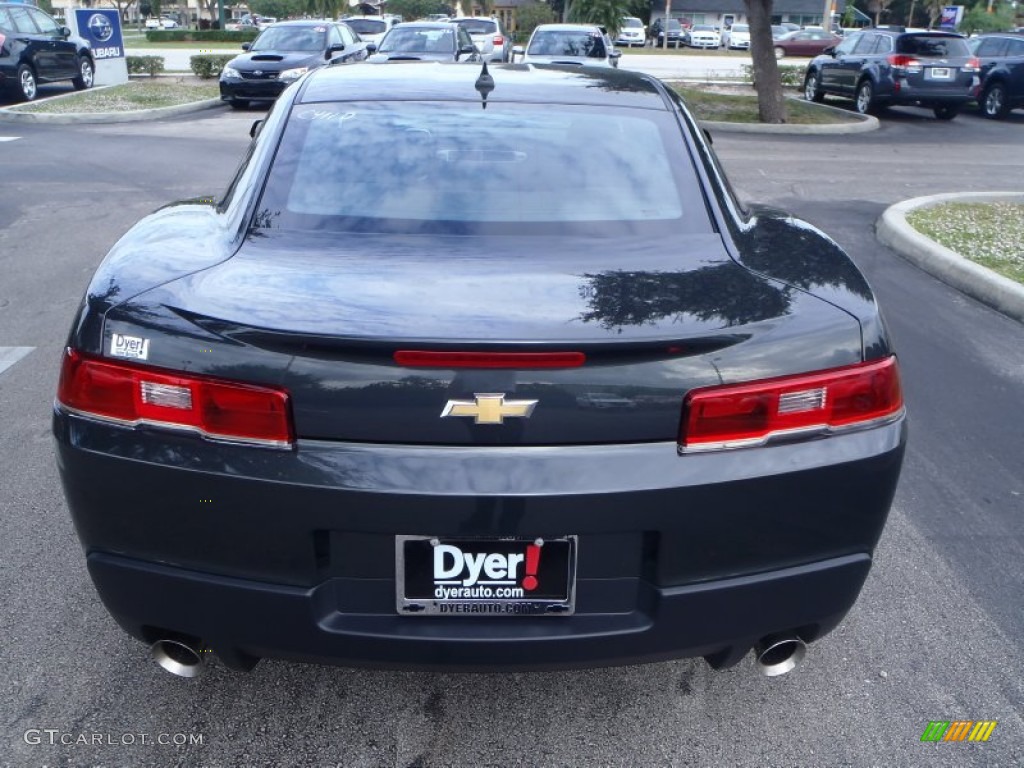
{"x": 863, "y": 124}
{"x": 11, "y": 115}
{"x": 1000, "y": 293}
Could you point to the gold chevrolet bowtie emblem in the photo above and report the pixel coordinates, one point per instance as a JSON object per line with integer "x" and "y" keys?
{"x": 489, "y": 408}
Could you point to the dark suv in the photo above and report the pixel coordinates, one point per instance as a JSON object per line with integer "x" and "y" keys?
{"x": 35, "y": 49}
{"x": 887, "y": 67}
{"x": 676, "y": 33}
{"x": 1002, "y": 72}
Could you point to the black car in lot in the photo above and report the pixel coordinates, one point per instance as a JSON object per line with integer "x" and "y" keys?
{"x": 35, "y": 49}
{"x": 282, "y": 54}
{"x": 438, "y": 41}
{"x": 677, "y": 35}
{"x": 344, "y": 417}
{"x": 1002, "y": 72}
{"x": 880, "y": 68}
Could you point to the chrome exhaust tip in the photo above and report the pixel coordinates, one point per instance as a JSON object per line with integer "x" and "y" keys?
{"x": 778, "y": 654}
{"x": 178, "y": 657}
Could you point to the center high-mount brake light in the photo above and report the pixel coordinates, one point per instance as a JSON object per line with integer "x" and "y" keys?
{"x": 214, "y": 408}
{"x": 434, "y": 359}
{"x": 754, "y": 413}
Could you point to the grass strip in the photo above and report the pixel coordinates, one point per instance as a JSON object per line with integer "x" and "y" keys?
{"x": 742, "y": 108}
{"x": 129, "y": 97}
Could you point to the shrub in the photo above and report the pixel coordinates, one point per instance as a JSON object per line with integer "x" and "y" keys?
{"x": 791, "y": 75}
{"x": 145, "y": 65}
{"x": 208, "y": 65}
{"x": 201, "y": 35}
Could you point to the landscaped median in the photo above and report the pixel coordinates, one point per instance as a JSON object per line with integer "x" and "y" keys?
{"x": 974, "y": 241}
{"x": 149, "y": 98}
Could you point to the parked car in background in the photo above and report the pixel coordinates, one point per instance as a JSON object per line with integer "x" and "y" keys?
{"x": 371, "y": 29}
{"x": 284, "y": 52}
{"x": 236, "y": 25}
{"x": 577, "y": 44}
{"x": 887, "y": 67}
{"x": 737, "y": 37}
{"x": 703, "y": 36}
{"x": 424, "y": 41}
{"x": 162, "y": 22}
{"x": 673, "y": 29}
{"x": 779, "y": 31}
{"x": 35, "y": 49}
{"x": 632, "y": 33}
{"x": 262, "y": 22}
{"x": 805, "y": 42}
{"x": 1001, "y": 55}
{"x": 332, "y": 415}
{"x": 488, "y": 37}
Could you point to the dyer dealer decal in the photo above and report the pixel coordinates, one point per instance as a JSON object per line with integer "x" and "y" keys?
{"x": 496, "y": 576}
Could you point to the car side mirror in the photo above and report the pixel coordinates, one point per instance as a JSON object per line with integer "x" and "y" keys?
{"x": 517, "y": 50}
{"x": 470, "y": 49}
{"x": 614, "y": 54}
{"x": 831, "y": 50}
{"x": 246, "y": 46}
{"x": 336, "y": 48}
{"x": 64, "y": 32}
{"x": 255, "y": 128}
{"x": 371, "y": 47}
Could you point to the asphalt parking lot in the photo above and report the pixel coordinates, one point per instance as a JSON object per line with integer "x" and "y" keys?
{"x": 936, "y": 634}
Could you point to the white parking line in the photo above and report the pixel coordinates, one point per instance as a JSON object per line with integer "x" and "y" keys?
{"x": 10, "y": 355}
{"x": 9, "y": 138}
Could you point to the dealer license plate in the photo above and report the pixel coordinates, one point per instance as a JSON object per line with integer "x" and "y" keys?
{"x": 485, "y": 577}
{"x": 940, "y": 73}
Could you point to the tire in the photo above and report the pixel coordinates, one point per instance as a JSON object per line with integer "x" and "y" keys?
{"x": 86, "y": 74}
{"x": 26, "y": 86}
{"x": 811, "y": 90}
{"x": 993, "y": 102}
{"x": 864, "y": 101}
{"x": 239, "y": 104}
{"x": 946, "y": 111}
{"x": 780, "y": 53}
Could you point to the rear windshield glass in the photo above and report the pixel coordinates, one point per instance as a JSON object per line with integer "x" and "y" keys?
{"x": 368, "y": 26}
{"x": 479, "y": 26}
{"x": 456, "y": 168}
{"x": 932, "y": 46}
{"x": 418, "y": 40}
{"x": 632, "y": 23}
{"x": 563, "y": 43}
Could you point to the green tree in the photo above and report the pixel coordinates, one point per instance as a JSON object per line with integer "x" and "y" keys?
{"x": 410, "y": 10}
{"x": 278, "y": 9}
{"x": 529, "y": 17}
{"x": 978, "y": 19}
{"x": 604, "y": 13}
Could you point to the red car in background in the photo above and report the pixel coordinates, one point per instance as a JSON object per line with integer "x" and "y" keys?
{"x": 805, "y": 42}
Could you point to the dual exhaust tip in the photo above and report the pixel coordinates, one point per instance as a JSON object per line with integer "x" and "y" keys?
{"x": 179, "y": 656}
{"x": 776, "y": 655}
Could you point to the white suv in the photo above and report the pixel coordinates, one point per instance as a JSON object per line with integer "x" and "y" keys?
{"x": 488, "y": 37}
{"x": 632, "y": 33}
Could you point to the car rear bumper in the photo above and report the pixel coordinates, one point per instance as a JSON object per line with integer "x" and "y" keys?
{"x": 252, "y": 90}
{"x": 906, "y": 94}
{"x": 291, "y": 554}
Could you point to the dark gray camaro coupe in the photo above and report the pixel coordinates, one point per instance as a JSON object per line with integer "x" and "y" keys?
{"x": 345, "y": 417}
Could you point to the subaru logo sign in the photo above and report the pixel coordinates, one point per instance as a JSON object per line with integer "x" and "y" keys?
{"x": 100, "y": 27}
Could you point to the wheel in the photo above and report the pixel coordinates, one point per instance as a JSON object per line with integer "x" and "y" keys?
{"x": 26, "y": 85}
{"x": 85, "y": 74}
{"x": 779, "y": 52}
{"x": 865, "y": 100}
{"x": 946, "y": 112}
{"x": 238, "y": 103}
{"x": 811, "y": 90}
{"x": 993, "y": 102}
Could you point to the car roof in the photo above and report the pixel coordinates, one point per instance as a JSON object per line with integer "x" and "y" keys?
{"x": 303, "y": 23}
{"x": 569, "y": 27}
{"x": 524, "y": 83}
{"x": 1017, "y": 35}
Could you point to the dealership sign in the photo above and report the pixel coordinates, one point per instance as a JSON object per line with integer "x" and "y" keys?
{"x": 102, "y": 30}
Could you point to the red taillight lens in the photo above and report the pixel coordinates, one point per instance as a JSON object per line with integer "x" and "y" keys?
{"x": 430, "y": 359}
{"x": 972, "y": 65}
{"x": 903, "y": 62}
{"x": 738, "y": 415}
{"x": 499, "y": 40}
{"x": 218, "y": 409}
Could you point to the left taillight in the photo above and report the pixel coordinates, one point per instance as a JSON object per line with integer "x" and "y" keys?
{"x": 754, "y": 413}
{"x": 214, "y": 408}
{"x": 498, "y": 41}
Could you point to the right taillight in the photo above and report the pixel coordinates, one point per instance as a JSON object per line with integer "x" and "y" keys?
{"x": 972, "y": 65}
{"x": 901, "y": 62}
{"x": 753, "y": 413}
{"x": 214, "y": 408}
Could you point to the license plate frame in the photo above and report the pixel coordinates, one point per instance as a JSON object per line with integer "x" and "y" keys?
{"x": 940, "y": 73}
{"x": 419, "y": 576}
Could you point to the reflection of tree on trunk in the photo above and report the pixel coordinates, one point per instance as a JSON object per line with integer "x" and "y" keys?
{"x": 725, "y": 291}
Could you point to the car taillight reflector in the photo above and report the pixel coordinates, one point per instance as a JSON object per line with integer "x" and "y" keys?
{"x": 901, "y": 61}
{"x": 741, "y": 415}
{"x": 215, "y": 408}
{"x": 432, "y": 359}
{"x": 972, "y": 65}
{"x": 499, "y": 40}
